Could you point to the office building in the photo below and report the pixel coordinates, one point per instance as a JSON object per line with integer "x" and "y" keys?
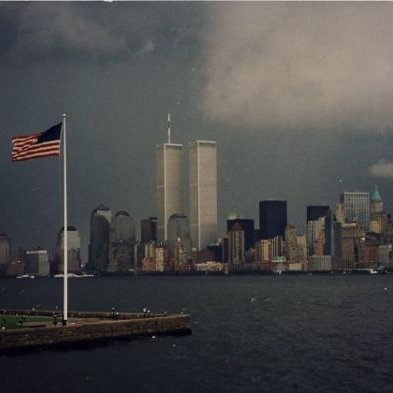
{"x": 349, "y": 246}
{"x": 357, "y": 207}
{"x": 236, "y": 247}
{"x": 74, "y": 251}
{"x": 37, "y": 262}
{"x": 246, "y": 225}
{"x": 149, "y": 230}
{"x": 100, "y": 220}
{"x": 330, "y": 225}
{"x": 264, "y": 251}
{"x": 121, "y": 243}
{"x": 161, "y": 258}
{"x": 203, "y": 193}
{"x": 169, "y": 185}
{"x": 290, "y": 248}
{"x": 295, "y": 248}
{"x": 377, "y": 216}
{"x": 316, "y": 212}
{"x": 320, "y": 263}
{"x": 179, "y": 234}
{"x": 272, "y": 218}
{"x": 5, "y": 252}
{"x": 316, "y": 236}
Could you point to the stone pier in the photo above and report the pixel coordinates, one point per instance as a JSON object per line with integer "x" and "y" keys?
{"x": 87, "y": 327}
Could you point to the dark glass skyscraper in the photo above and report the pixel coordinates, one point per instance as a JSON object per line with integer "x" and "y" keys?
{"x": 315, "y": 212}
{"x": 272, "y": 219}
{"x": 329, "y": 233}
{"x": 100, "y": 220}
{"x": 149, "y": 230}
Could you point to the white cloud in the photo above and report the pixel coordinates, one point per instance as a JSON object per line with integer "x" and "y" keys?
{"x": 382, "y": 168}
{"x": 303, "y": 65}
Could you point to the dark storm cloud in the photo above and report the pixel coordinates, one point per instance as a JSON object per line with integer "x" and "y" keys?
{"x": 116, "y": 69}
{"x": 104, "y": 32}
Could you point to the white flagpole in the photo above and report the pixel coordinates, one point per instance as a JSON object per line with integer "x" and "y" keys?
{"x": 65, "y": 229}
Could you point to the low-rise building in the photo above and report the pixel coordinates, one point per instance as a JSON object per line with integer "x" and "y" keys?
{"x": 37, "y": 262}
{"x": 320, "y": 263}
{"x": 209, "y": 266}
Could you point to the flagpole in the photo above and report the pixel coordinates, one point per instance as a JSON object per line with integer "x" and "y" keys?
{"x": 65, "y": 228}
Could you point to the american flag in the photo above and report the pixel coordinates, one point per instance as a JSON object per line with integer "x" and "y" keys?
{"x": 41, "y": 144}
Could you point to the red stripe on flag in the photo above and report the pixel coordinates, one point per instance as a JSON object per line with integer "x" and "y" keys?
{"x": 26, "y": 147}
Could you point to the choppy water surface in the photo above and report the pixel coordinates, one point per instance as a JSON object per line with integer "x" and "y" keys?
{"x": 250, "y": 334}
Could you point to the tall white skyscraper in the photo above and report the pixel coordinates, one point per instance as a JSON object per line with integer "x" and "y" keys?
{"x": 203, "y": 193}
{"x": 169, "y": 184}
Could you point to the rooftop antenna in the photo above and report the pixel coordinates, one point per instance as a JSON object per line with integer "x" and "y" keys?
{"x": 169, "y": 127}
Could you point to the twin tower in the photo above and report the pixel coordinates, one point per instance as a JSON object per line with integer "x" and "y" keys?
{"x": 202, "y": 189}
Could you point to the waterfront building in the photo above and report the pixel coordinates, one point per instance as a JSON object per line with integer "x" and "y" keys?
{"x": 216, "y": 249}
{"x": 138, "y": 255}
{"x": 236, "y": 246}
{"x": 5, "y": 252}
{"x": 169, "y": 185}
{"x": 200, "y": 256}
{"x": 148, "y": 265}
{"x": 277, "y": 246}
{"x": 329, "y": 233}
{"x": 357, "y": 207}
{"x": 376, "y": 213}
{"x": 179, "y": 234}
{"x": 295, "y": 248}
{"x": 203, "y": 193}
{"x": 100, "y": 220}
{"x": 290, "y": 243}
{"x": 371, "y": 250}
{"x": 320, "y": 263}
{"x": 272, "y": 218}
{"x": 161, "y": 258}
{"x": 264, "y": 250}
{"x": 349, "y": 246}
{"x": 149, "y": 229}
{"x": 37, "y": 262}
{"x": 121, "y": 243}
{"x": 246, "y": 225}
{"x": 316, "y": 236}
{"x": 224, "y": 249}
{"x": 181, "y": 260}
{"x": 301, "y": 256}
{"x": 73, "y": 253}
{"x": 385, "y": 255}
{"x": 15, "y": 268}
{"x": 210, "y": 266}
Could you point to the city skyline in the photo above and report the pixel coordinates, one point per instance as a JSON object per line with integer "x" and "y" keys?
{"x": 336, "y": 240}
{"x": 300, "y": 123}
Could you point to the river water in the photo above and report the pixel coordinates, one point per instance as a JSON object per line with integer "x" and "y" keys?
{"x": 303, "y": 333}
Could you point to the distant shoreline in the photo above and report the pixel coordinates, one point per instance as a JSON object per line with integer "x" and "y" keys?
{"x": 213, "y": 273}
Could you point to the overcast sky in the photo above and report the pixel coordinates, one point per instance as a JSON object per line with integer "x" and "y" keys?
{"x": 298, "y": 96}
